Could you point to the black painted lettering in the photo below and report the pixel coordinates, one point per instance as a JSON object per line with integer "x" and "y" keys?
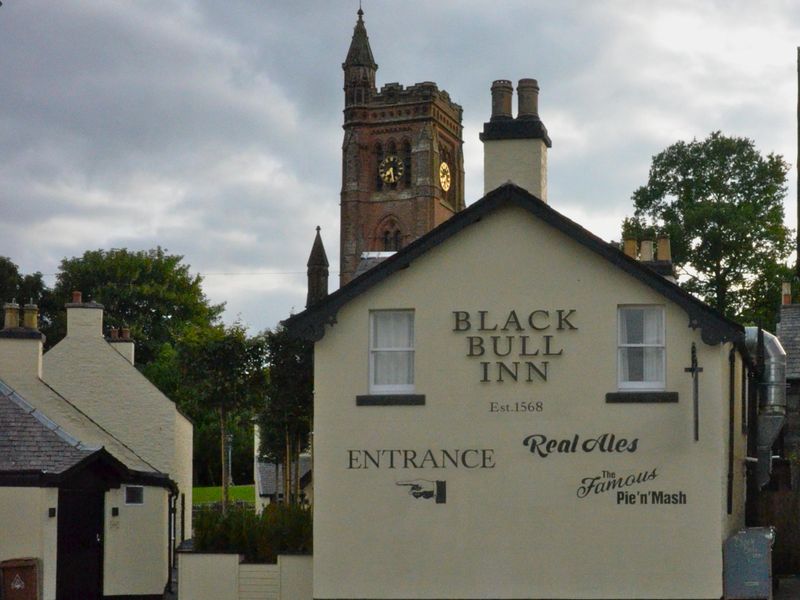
{"x": 488, "y": 458}
{"x": 483, "y": 326}
{"x": 353, "y": 459}
{"x": 475, "y": 345}
{"x": 534, "y": 369}
{"x": 429, "y": 458}
{"x": 532, "y": 320}
{"x": 461, "y": 320}
{"x": 447, "y": 457}
{"x": 501, "y": 366}
{"x": 512, "y": 318}
{"x": 524, "y": 347}
{"x": 509, "y": 345}
{"x": 464, "y": 459}
{"x": 485, "y": 371}
{"x": 409, "y": 456}
{"x": 564, "y": 318}
{"x": 375, "y": 460}
{"x": 547, "y": 350}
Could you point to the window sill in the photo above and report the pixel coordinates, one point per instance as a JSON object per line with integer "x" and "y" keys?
{"x": 636, "y": 397}
{"x": 391, "y": 400}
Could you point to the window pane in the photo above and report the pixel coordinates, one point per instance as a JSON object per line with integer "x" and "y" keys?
{"x": 631, "y": 324}
{"x": 653, "y": 364}
{"x": 393, "y": 368}
{"x": 393, "y": 329}
{"x": 653, "y": 325}
{"x": 134, "y": 495}
{"x": 631, "y": 364}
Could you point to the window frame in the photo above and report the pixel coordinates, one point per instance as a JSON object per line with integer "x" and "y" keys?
{"x": 390, "y": 389}
{"x": 635, "y": 386}
{"x": 125, "y": 495}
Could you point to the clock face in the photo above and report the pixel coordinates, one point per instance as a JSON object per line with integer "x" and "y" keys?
{"x": 444, "y": 176}
{"x": 391, "y": 169}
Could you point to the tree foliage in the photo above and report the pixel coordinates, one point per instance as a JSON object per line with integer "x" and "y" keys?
{"x": 286, "y": 418}
{"x": 721, "y": 204}
{"x": 149, "y": 291}
{"x": 226, "y": 372}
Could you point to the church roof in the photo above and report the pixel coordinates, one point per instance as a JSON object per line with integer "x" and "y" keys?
{"x": 360, "y": 54}
{"x": 715, "y": 327}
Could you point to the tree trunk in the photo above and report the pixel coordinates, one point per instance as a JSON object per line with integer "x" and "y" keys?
{"x": 296, "y": 459}
{"x": 224, "y": 445}
{"x": 287, "y": 465}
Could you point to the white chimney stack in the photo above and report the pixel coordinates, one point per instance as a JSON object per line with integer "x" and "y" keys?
{"x": 515, "y": 150}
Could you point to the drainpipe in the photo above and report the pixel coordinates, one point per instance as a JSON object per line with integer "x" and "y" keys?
{"x": 772, "y": 396}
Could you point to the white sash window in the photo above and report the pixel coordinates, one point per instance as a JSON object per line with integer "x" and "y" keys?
{"x": 641, "y": 352}
{"x": 391, "y": 352}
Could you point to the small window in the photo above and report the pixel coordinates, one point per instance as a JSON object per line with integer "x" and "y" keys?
{"x": 134, "y": 494}
{"x": 391, "y": 352}
{"x": 641, "y": 352}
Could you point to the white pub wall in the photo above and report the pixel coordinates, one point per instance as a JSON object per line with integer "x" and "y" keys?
{"x": 522, "y": 525}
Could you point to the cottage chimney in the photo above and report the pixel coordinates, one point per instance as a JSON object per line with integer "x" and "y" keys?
{"x": 659, "y": 259}
{"x": 20, "y": 347}
{"x": 515, "y": 150}
{"x": 122, "y": 342}
{"x": 84, "y": 319}
{"x": 317, "y": 272}
{"x": 786, "y": 292}
{"x": 11, "y": 310}
{"x": 646, "y": 253}
{"x": 630, "y": 247}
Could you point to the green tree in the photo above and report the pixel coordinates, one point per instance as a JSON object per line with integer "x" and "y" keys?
{"x": 149, "y": 291}
{"x": 22, "y": 288}
{"x": 721, "y": 204}
{"x": 286, "y": 418}
{"x": 227, "y": 373}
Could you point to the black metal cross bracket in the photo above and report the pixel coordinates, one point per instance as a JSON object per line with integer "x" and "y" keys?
{"x": 695, "y": 371}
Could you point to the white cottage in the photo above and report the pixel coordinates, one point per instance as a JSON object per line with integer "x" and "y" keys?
{"x": 91, "y": 511}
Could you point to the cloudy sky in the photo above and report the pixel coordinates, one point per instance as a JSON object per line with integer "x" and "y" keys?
{"x": 213, "y": 129}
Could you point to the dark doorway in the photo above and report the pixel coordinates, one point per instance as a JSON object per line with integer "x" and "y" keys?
{"x": 79, "y": 570}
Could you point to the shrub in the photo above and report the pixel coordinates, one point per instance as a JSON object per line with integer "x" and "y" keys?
{"x": 279, "y": 529}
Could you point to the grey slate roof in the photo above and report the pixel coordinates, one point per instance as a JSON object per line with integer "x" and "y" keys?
{"x": 29, "y": 441}
{"x": 266, "y": 475}
{"x": 789, "y": 334}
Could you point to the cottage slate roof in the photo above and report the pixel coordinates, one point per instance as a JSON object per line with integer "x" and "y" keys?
{"x": 29, "y": 441}
{"x": 789, "y": 334}
{"x": 714, "y": 326}
{"x": 267, "y": 479}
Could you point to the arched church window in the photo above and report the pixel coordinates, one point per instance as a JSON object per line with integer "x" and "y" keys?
{"x": 392, "y": 240}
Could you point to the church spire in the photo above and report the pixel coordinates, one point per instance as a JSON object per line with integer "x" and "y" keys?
{"x": 317, "y": 272}
{"x": 359, "y": 67}
{"x": 360, "y": 54}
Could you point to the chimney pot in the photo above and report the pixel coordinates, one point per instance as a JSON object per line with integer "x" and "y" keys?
{"x": 30, "y": 316}
{"x": 646, "y": 251}
{"x": 77, "y": 297}
{"x": 786, "y": 292}
{"x": 113, "y": 333}
{"x": 664, "y": 249}
{"x": 502, "y": 91}
{"x": 125, "y": 333}
{"x": 630, "y": 247}
{"x": 11, "y": 315}
{"x": 528, "y": 99}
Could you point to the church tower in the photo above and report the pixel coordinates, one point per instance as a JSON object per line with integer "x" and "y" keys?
{"x": 402, "y": 161}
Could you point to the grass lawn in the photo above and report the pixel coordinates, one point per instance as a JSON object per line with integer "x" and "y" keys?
{"x": 201, "y": 495}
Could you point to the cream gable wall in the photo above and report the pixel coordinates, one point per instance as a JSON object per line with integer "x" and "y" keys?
{"x": 518, "y": 530}
{"x": 26, "y": 530}
{"x": 98, "y": 379}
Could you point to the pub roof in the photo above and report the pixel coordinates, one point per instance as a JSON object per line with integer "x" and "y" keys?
{"x": 714, "y": 326}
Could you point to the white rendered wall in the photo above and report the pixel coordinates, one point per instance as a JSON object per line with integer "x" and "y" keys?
{"x": 523, "y": 162}
{"x": 518, "y": 529}
{"x": 26, "y": 530}
{"x": 135, "y": 560}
